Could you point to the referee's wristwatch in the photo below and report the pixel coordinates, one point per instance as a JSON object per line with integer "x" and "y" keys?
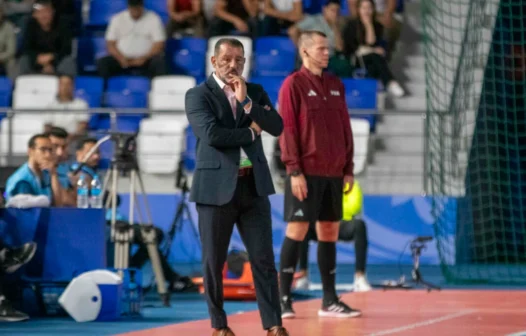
{"x": 295, "y": 173}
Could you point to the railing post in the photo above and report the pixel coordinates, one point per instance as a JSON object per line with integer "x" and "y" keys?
{"x": 10, "y": 116}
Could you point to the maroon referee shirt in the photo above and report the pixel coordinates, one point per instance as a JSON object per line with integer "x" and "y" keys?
{"x": 317, "y": 137}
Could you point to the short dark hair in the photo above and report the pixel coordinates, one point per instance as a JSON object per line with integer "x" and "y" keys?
{"x": 308, "y": 35}
{"x": 332, "y": 2}
{"x": 33, "y": 140}
{"x": 84, "y": 141}
{"x": 135, "y": 3}
{"x": 233, "y": 42}
{"x": 57, "y": 132}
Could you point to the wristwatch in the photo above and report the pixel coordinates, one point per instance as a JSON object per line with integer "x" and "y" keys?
{"x": 295, "y": 173}
{"x": 245, "y": 102}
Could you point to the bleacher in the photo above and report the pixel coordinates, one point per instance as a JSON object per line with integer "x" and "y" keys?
{"x": 163, "y": 135}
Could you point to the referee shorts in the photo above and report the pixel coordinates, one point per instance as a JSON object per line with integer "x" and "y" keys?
{"x": 323, "y": 202}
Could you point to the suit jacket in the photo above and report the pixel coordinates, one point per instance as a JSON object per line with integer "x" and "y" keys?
{"x": 220, "y": 138}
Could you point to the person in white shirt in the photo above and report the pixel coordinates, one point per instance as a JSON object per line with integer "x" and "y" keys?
{"x": 75, "y": 118}
{"x": 280, "y": 14}
{"x": 135, "y": 40}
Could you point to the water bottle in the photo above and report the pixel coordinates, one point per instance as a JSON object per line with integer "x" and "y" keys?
{"x": 96, "y": 193}
{"x": 82, "y": 193}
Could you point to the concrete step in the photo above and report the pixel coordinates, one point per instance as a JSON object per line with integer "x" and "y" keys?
{"x": 410, "y": 103}
{"x": 415, "y": 89}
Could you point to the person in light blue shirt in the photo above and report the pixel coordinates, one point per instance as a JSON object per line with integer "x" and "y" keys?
{"x": 89, "y": 169}
{"x": 59, "y": 141}
{"x": 38, "y": 176}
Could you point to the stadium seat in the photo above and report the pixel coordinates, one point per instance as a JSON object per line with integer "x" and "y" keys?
{"x": 271, "y": 86}
{"x": 160, "y": 143}
{"x": 6, "y": 88}
{"x": 32, "y": 101}
{"x": 24, "y": 127}
{"x": 129, "y": 84}
{"x": 125, "y": 100}
{"x": 361, "y": 133}
{"x": 361, "y": 94}
{"x": 187, "y": 56}
{"x": 89, "y": 50}
{"x": 90, "y": 89}
{"x": 168, "y": 92}
{"x": 159, "y": 7}
{"x": 247, "y": 46}
{"x": 37, "y": 84}
{"x": 101, "y": 11}
{"x": 274, "y": 56}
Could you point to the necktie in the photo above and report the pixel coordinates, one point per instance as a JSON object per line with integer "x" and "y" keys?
{"x": 230, "y": 94}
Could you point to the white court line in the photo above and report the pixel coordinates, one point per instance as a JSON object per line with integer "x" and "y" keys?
{"x": 423, "y": 323}
{"x": 341, "y": 287}
{"x": 522, "y": 333}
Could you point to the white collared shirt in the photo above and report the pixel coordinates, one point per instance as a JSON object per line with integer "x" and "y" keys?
{"x": 243, "y": 156}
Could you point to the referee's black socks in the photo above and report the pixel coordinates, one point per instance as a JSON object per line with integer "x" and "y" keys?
{"x": 287, "y": 265}
{"x": 327, "y": 266}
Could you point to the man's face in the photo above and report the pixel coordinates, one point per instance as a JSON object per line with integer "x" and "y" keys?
{"x": 136, "y": 12}
{"x": 60, "y": 148}
{"x": 93, "y": 161}
{"x": 43, "y": 14}
{"x": 229, "y": 61}
{"x": 318, "y": 49}
{"x": 42, "y": 152}
{"x": 65, "y": 87}
{"x": 331, "y": 13}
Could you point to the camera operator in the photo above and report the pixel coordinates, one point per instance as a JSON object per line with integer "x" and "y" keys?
{"x": 11, "y": 259}
{"x": 89, "y": 169}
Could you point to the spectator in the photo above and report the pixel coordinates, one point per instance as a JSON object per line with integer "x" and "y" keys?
{"x": 7, "y": 46}
{"x": 328, "y": 22}
{"x": 75, "y": 121}
{"x": 18, "y": 11}
{"x": 59, "y": 141}
{"x": 363, "y": 43}
{"x": 229, "y": 15}
{"x": 11, "y": 259}
{"x": 89, "y": 169}
{"x": 135, "y": 40}
{"x": 280, "y": 14}
{"x": 385, "y": 14}
{"x": 47, "y": 43}
{"x": 185, "y": 15}
{"x": 39, "y": 175}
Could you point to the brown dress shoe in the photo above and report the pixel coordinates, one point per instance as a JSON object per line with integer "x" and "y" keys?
{"x": 223, "y": 332}
{"x": 277, "y": 331}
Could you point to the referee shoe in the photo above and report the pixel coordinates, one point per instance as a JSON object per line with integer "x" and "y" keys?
{"x": 338, "y": 309}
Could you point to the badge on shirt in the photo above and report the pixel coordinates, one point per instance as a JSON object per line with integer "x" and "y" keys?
{"x": 335, "y": 93}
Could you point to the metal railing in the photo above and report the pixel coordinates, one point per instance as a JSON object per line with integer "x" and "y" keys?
{"x": 396, "y": 159}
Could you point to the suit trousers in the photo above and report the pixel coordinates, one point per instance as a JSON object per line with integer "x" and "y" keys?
{"x": 253, "y": 217}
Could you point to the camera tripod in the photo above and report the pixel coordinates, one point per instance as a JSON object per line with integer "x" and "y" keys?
{"x": 417, "y": 245}
{"x": 182, "y": 212}
{"x": 122, "y": 234}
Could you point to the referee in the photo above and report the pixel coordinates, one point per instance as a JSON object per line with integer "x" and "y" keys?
{"x": 317, "y": 150}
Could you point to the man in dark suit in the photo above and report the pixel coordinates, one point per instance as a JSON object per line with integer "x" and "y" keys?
{"x": 232, "y": 180}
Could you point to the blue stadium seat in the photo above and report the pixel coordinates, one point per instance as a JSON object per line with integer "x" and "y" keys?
{"x": 89, "y": 50}
{"x": 187, "y": 56}
{"x": 312, "y": 6}
{"x": 6, "y": 88}
{"x": 126, "y": 100}
{"x": 362, "y": 94}
{"x": 271, "y": 86}
{"x": 90, "y": 89}
{"x": 101, "y": 12}
{"x": 129, "y": 84}
{"x": 274, "y": 56}
{"x": 190, "y": 150}
{"x": 159, "y": 7}
{"x": 344, "y": 11}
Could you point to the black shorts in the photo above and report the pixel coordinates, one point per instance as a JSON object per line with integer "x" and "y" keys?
{"x": 323, "y": 202}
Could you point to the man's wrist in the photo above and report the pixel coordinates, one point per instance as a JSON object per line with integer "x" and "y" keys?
{"x": 295, "y": 173}
{"x": 245, "y": 101}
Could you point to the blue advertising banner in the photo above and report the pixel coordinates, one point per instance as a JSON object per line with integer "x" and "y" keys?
{"x": 392, "y": 222}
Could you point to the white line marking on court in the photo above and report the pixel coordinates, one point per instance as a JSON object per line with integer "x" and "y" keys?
{"x": 522, "y": 333}
{"x": 342, "y": 287}
{"x": 423, "y": 323}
